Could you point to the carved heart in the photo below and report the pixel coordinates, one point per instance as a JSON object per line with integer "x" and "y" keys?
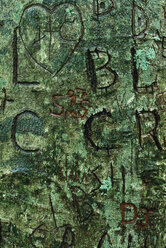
{"x": 51, "y": 36}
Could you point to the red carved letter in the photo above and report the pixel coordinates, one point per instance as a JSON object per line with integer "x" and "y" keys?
{"x": 124, "y": 205}
{"x": 146, "y": 218}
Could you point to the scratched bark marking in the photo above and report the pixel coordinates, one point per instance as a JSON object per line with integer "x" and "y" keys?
{"x": 82, "y": 123}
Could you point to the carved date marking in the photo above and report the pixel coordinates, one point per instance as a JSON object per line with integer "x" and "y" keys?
{"x": 77, "y": 98}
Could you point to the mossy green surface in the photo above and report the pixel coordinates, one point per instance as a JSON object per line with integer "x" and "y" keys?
{"x": 72, "y": 150}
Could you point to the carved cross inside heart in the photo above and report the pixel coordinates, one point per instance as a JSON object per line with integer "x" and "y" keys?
{"x": 51, "y": 36}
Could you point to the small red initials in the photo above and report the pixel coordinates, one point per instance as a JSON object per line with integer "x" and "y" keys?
{"x": 124, "y": 205}
{"x": 77, "y": 99}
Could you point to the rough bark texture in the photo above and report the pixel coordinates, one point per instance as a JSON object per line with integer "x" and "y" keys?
{"x": 82, "y": 123}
